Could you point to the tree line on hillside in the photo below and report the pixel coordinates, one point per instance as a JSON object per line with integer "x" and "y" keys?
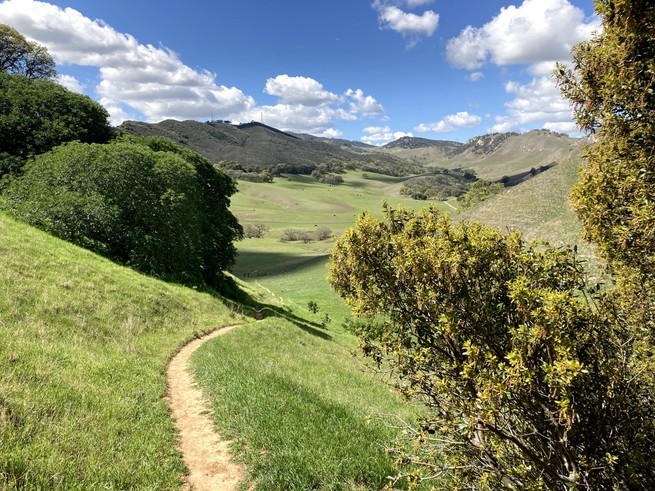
{"x": 531, "y": 377}
{"x": 144, "y": 202}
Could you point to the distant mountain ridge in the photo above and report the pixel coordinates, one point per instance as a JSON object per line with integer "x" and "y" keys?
{"x": 491, "y": 156}
{"x": 258, "y": 145}
{"x": 410, "y": 142}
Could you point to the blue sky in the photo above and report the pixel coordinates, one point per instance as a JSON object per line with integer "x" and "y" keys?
{"x": 370, "y": 70}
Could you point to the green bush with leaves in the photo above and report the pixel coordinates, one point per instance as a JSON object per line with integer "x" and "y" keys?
{"x": 513, "y": 356}
{"x": 611, "y": 88}
{"x": 145, "y": 202}
{"x": 478, "y": 192}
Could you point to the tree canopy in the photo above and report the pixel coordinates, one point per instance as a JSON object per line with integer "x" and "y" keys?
{"x": 23, "y": 57}
{"x": 145, "y": 202}
{"x": 612, "y": 87}
{"x": 37, "y": 115}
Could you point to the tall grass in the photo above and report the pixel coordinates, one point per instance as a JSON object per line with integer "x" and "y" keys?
{"x": 84, "y": 346}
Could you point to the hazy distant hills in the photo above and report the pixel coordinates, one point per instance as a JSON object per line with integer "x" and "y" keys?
{"x": 491, "y": 156}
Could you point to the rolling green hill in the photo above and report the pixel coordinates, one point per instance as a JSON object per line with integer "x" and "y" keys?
{"x": 491, "y": 156}
{"x": 84, "y": 346}
{"x": 540, "y": 209}
{"x": 255, "y": 145}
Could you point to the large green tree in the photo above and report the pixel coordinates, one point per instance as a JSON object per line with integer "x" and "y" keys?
{"x": 23, "y": 57}
{"x": 147, "y": 203}
{"x": 37, "y": 115}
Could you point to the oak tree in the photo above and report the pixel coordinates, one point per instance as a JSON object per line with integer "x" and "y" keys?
{"x": 23, "y": 57}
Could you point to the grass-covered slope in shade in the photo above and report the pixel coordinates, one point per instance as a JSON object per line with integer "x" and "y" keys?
{"x": 84, "y": 346}
{"x": 303, "y": 203}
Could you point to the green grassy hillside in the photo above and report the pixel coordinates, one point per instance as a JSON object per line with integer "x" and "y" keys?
{"x": 316, "y": 418}
{"x": 304, "y": 203}
{"x": 83, "y": 349}
{"x": 84, "y": 346}
{"x": 256, "y": 144}
{"x": 495, "y": 156}
{"x": 540, "y": 209}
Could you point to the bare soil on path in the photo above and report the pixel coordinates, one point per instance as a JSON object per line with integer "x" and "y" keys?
{"x": 205, "y": 454}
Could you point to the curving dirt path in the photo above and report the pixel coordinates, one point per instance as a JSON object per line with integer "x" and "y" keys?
{"x": 205, "y": 454}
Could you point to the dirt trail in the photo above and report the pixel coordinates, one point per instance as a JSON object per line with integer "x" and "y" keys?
{"x": 205, "y": 454}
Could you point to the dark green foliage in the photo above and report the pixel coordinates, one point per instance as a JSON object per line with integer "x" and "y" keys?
{"x": 331, "y": 179}
{"x": 504, "y": 345}
{"x": 386, "y": 168}
{"x": 478, "y": 192}
{"x": 144, "y": 202}
{"x": 312, "y": 306}
{"x": 37, "y": 115}
{"x": 22, "y": 57}
{"x": 441, "y": 184}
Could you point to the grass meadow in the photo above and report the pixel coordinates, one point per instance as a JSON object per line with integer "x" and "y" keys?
{"x": 84, "y": 346}
{"x": 306, "y": 412}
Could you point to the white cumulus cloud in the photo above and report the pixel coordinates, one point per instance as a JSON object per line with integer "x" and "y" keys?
{"x": 412, "y": 26}
{"x": 300, "y": 90}
{"x": 536, "y": 101}
{"x": 71, "y": 83}
{"x": 299, "y": 111}
{"x": 451, "y": 122}
{"x": 142, "y": 81}
{"x": 151, "y": 80}
{"x": 536, "y": 34}
{"x": 379, "y": 135}
{"x": 364, "y": 105}
{"x": 536, "y": 31}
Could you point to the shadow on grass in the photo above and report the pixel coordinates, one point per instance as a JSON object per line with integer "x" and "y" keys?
{"x": 261, "y": 263}
{"x": 237, "y": 300}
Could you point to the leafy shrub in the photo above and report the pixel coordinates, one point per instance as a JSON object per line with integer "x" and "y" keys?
{"x": 147, "y": 203}
{"x": 530, "y": 379}
{"x": 479, "y": 192}
{"x": 331, "y": 179}
{"x": 442, "y": 184}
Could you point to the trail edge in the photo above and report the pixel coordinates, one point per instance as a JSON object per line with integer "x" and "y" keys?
{"x": 205, "y": 454}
